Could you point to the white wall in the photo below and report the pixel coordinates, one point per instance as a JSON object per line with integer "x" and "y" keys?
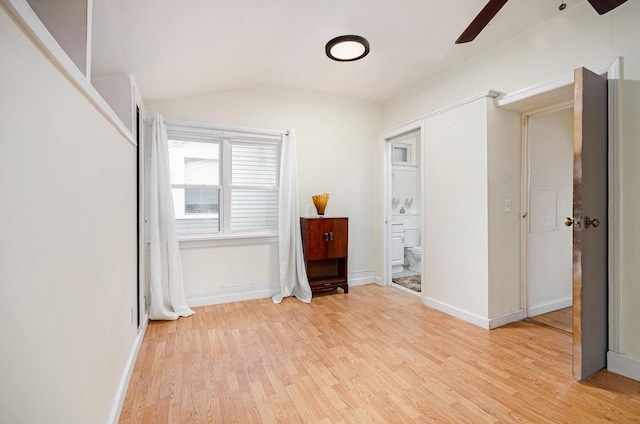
{"x": 456, "y": 245}
{"x": 577, "y": 37}
{"x": 503, "y": 179}
{"x": 630, "y": 225}
{"x": 68, "y": 245}
{"x": 337, "y": 154}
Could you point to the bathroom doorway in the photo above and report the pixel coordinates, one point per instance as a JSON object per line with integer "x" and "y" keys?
{"x": 403, "y": 206}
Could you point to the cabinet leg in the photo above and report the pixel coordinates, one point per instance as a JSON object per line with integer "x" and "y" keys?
{"x": 346, "y": 288}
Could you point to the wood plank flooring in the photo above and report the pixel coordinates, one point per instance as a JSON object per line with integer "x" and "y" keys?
{"x": 375, "y": 355}
{"x": 562, "y": 319}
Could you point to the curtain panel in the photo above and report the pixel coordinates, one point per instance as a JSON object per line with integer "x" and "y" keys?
{"x": 293, "y": 275}
{"x": 165, "y": 268}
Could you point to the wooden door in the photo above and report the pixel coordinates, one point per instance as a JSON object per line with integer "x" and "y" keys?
{"x": 590, "y": 315}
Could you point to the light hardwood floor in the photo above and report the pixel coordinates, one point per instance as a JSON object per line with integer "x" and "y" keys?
{"x": 375, "y": 355}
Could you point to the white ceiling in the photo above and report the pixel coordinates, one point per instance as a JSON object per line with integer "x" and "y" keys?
{"x": 183, "y": 48}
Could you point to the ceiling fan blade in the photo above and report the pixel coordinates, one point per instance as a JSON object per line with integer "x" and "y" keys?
{"x": 604, "y": 6}
{"x": 481, "y": 21}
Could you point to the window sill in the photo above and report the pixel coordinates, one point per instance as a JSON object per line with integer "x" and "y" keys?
{"x": 228, "y": 240}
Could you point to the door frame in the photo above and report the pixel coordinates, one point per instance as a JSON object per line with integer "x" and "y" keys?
{"x": 556, "y": 91}
{"x": 386, "y": 209}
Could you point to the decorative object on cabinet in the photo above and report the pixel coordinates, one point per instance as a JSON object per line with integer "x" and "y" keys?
{"x": 325, "y": 243}
{"x": 320, "y": 202}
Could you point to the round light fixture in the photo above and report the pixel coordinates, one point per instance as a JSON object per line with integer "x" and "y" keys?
{"x": 347, "y": 48}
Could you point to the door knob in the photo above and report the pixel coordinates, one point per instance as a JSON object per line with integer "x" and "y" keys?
{"x": 587, "y": 222}
{"x": 570, "y": 221}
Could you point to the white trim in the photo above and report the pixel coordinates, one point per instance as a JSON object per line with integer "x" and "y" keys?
{"x": 489, "y": 93}
{"x": 220, "y": 295}
{"x": 118, "y": 402}
{"x": 456, "y": 312}
{"x": 486, "y": 323}
{"x": 549, "y": 307}
{"x": 254, "y": 291}
{"x": 386, "y": 141}
{"x": 549, "y": 109}
{"x": 221, "y": 131}
{"x": 405, "y": 289}
{"x": 228, "y": 240}
{"x": 520, "y": 100}
{"x": 35, "y": 29}
{"x": 89, "y": 44}
{"x": 615, "y": 206}
{"x": 362, "y": 278}
{"x": 623, "y": 365}
{"x": 514, "y": 316}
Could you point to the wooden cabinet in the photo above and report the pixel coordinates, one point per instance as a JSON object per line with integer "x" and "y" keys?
{"x": 325, "y": 242}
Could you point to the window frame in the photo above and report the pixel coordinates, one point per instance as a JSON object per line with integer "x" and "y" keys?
{"x": 226, "y": 136}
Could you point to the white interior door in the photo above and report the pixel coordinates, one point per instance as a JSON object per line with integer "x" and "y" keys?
{"x": 549, "y": 242}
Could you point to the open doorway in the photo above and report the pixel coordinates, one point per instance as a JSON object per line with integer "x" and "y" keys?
{"x": 406, "y": 223}
{"x": 403, "y": 206}
{"x": 549, "y": 193}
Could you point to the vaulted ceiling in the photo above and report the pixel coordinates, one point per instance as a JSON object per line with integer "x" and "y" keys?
{"x": 183, "y": 48}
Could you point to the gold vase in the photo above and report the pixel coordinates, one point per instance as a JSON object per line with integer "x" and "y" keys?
{"x": 320, "y": 202}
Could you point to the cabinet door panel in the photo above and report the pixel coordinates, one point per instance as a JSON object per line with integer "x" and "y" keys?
{"x": 316, "y": 246}
{"x": 337, "y": 246}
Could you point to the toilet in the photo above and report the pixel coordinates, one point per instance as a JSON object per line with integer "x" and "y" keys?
{"x": 412, "y": 248}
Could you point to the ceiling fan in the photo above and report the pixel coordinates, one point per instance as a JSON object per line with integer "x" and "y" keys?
{"x": 494, "y": 6}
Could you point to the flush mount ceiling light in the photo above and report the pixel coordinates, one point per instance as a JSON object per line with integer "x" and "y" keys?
{"x": 347, "y": 48}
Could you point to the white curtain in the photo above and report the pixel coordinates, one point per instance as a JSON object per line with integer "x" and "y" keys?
{"x": 165, "y": 274}
{"x": 293, "y": 276}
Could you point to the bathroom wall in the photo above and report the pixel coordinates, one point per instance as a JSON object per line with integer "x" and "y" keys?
{"x": 405, "y": 184}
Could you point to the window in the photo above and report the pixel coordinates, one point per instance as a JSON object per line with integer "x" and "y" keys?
{"x": 223, "y": 182}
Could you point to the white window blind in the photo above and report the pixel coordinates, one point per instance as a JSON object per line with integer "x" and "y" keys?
{"x": 254, "y": 187}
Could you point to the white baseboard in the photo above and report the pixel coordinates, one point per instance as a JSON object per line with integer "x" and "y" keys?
{"x": 456, "y": 312}
{"x": 486, "y": 323}
{"x": 549, "y": 307}
{"x": 514, "y": 316}
{"x": 254, "y": 291}
{"x": 118, "y": 402}
{"x": 623, "y": 365}
{"x": 220, "y": 295}
{"x": 362, "y": 278}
